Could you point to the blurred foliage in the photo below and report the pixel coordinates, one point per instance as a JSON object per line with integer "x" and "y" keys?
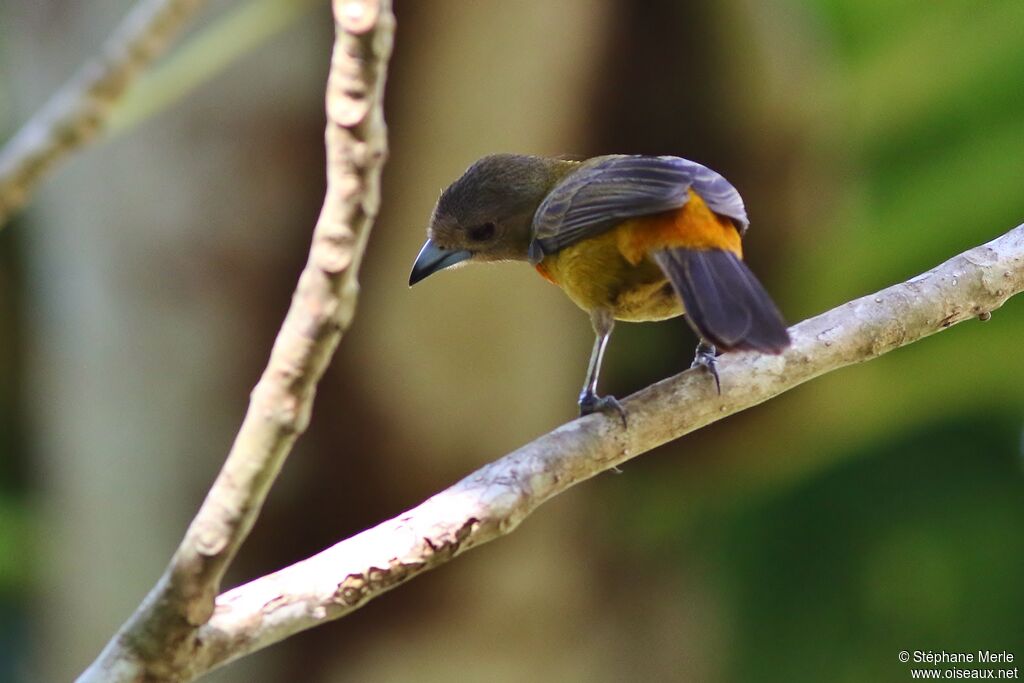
{"x": 883, "y": 512}
{"x": 926, "y": 106}
{"x": 15, "y": 515}
{"x": 909, "y": 544}
{"x": 15, "y": 548}
{"x": 16, "y": 558}
{"x": 218, "y": 45}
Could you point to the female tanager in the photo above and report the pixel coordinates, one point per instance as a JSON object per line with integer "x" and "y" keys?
{"x": 633, "y": 238}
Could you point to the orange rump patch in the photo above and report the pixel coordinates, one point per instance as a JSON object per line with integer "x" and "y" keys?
{"x": 692, "y": 226}
{"x": 544, "y": 273}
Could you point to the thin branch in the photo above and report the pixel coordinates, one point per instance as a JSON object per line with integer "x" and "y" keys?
{"x": 78, "y": 111}
{"x": 156, "y": 642}
{"x": 492, "y": 501}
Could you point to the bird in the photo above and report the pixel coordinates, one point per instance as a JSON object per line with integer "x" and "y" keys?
{"x": 627, "y": 237}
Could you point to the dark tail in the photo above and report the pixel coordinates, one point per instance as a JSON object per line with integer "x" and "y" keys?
{"x": 725, "y": 303}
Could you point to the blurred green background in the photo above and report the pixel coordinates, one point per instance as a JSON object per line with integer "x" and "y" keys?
{"x": 873, "y": 510}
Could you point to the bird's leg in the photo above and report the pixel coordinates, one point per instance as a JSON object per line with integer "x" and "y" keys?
{"x": 589, "y": 400}
{"x": 705, "y": 358}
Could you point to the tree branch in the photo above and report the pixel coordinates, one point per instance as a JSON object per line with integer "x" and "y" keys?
{"x": 156, "y": 642}
{"x": 78, "y": 111}
{"x": 492, "y": 501}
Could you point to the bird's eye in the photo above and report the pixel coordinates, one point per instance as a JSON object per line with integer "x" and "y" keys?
{"x": 482, "y": 233}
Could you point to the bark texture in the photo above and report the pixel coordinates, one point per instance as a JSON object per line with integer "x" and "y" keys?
{"x": 157, "y": 642}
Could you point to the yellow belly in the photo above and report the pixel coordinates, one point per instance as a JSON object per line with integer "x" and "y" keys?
{"x": 613, "y": 271}
{"x": 595, "y": 274}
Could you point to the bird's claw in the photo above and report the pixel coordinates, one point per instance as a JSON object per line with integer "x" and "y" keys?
{"x": 705, "y": 358}
{"x": 592, "y": 403}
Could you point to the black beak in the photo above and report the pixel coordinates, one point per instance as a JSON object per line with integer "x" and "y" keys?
{"x": 433, "y": 258}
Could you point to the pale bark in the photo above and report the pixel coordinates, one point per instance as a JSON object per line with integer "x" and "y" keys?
{"x": 156, "y": 642}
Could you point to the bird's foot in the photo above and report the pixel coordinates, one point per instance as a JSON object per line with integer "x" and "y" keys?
{"x": 592, "y": 403}
{"x": 705, "y": 358}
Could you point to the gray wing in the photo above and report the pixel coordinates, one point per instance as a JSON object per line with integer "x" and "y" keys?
{"x": 607, "y": 190}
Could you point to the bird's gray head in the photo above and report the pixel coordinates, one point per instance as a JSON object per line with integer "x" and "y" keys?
{"x": 487, "y": 214}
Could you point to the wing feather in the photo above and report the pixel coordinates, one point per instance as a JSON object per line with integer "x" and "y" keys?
{"x": 606, "y": 190}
